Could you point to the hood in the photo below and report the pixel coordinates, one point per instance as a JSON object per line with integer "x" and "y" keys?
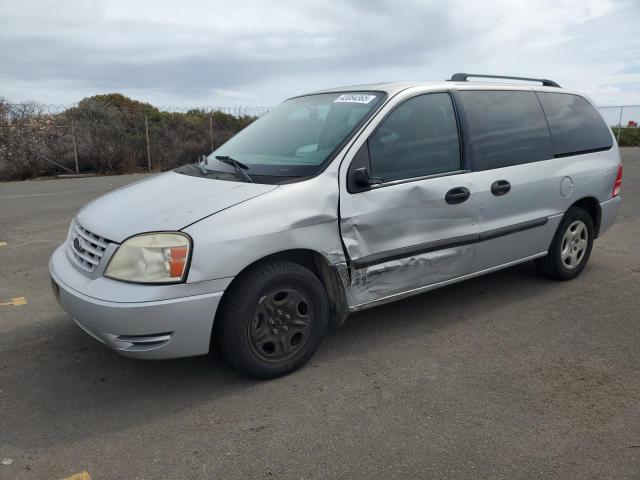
{"x": 166, "y": 202}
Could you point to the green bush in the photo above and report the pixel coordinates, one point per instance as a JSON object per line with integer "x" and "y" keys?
{"x": 629, "y": 137}
{"x": 110, "y": 136}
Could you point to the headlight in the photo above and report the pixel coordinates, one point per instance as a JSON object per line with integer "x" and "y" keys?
{"x": 151, "y": 258}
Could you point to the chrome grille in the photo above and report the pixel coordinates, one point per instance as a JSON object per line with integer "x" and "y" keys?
{"x": 85, "y": 248}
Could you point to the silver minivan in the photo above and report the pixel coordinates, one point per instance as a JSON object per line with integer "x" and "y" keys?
{"x": 334, "y": 202}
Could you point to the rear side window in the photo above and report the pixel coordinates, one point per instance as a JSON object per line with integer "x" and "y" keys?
{"x": 505, "y": 128}
{"x": 419, "y": 138}
{"x": 576, "y": 126}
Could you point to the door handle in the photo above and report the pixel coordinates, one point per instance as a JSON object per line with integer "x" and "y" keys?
{"x": 500, "y": 187}
{"x": 457, "y": 195}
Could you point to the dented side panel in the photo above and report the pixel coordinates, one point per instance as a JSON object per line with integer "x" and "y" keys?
{"x": 295, "y": 216}
{"x": 385, "y": 229}
{"x": 373, "y": 283}
{"x": 400, "y": 216}
{"x": 392, "y": 231}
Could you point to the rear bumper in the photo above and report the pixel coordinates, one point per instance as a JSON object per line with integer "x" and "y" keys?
{"x": 167, "y": 328}
{"x": 609, "y": 211}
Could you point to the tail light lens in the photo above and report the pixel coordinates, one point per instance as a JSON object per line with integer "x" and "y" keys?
{"x": 618, "y": 182}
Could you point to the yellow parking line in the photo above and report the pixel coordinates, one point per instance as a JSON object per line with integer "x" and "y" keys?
{"x": 79, "y": 476}
{"x": 16, "y": 302}
{"x": 3, "y": 244}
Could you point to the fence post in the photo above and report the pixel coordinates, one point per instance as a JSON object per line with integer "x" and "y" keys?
{"x": 75, "y": 143}
{"x": 146, "y": 130}
{"x": 620, "y": 123}
{"x": 211, "y": 128}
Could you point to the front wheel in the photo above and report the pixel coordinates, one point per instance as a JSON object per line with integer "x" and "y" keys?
{"x": 272, "y": 320}
{"x": 570, "y": 248}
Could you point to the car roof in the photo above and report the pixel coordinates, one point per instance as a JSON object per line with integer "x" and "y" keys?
{"x": 391, "y": 88}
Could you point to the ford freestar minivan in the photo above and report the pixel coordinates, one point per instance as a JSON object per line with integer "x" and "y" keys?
{"x": 334, "y": 202}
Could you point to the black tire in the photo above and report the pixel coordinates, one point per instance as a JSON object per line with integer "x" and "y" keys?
{"x": 557, "y": 266}
{"x": 277, "y": 296}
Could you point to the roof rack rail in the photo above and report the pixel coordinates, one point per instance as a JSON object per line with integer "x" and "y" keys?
{"x": 462, "y": 77}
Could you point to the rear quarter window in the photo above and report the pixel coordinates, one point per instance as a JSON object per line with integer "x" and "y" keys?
{"x": 576, "y": 127}
{"x": 505, "y": 128}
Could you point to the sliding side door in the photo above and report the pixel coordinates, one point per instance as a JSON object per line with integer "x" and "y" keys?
{"x": 509, "y": 146}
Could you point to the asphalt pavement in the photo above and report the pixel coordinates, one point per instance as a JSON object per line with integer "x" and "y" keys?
{"x": 506, "y": 376}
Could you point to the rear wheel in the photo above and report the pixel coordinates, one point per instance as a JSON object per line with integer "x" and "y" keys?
{"x": 272, "y": 320}
{"x": 570, "y": 248}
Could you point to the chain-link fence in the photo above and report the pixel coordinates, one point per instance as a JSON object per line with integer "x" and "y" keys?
{"x": 114, "y": 134}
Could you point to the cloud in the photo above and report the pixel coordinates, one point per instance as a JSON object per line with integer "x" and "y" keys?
{"x": 201, "y": 52}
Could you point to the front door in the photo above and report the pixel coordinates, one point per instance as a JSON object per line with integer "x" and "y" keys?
{"x": 419, "y": 225}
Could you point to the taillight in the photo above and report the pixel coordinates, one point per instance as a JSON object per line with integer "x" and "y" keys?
{"x": 618, "y": 182}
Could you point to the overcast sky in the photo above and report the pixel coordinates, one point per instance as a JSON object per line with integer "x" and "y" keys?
{"x": 208, "y": 52}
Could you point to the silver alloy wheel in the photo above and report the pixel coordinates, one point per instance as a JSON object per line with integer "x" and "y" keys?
{"x": 574, "y": 244}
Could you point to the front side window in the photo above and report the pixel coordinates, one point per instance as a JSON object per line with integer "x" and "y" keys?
{"x": 576, "y": 126}
{"x": 297, "y": 138}
{"x": 505, "y": 128}
{"x": 419, "y": 138}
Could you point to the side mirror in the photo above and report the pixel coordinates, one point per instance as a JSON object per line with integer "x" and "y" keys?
{"x": 363, "y": 179}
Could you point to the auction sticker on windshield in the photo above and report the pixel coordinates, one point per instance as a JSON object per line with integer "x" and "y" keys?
{"x": 354, "y": 98}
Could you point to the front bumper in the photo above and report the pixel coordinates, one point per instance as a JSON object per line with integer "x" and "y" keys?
{"x": 178, "y": 326}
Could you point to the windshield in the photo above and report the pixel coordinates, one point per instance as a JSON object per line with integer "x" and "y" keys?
{"x": 298, "y": 137}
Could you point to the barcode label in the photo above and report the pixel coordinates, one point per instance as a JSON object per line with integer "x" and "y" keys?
{"x": 354, "y": 98}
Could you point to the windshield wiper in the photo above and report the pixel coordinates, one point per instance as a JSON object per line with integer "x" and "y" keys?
{"x": 238, "y": 166}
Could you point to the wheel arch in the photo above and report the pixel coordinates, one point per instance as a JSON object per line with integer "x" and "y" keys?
{"x": 319, "y": 265}
{"x": 592, "y": 207}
